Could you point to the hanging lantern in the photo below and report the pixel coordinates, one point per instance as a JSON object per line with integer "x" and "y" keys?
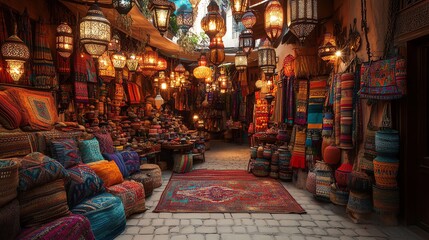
{"x": 104, "y": 62}
{"x": 273, "y": 20}
{"x": 213, "y": 21}
{"x": 150, "y": 59}
{"x": 208, "y": 80}
{"x": 161, "y": 11}
{"x": 238, "y": 8}
{"x": 122, "y": 6}
{"x": 132, "y": 63}
{"x": 180, "y": 68}
{"x": 119, "y": 60}
{"x": 95, "y": 31}
{"x": 185, "y": 19}
{"x": 248, "y": 19}
{"x": 148, "y": 72}
{"x": 64, "y": 40}
{"x": 328, "y": 49}
{"x": 202, "y": 71}
{"x": 217, "y": 51}
{"x": 246, "y": 41}
{"x": 15, "y": 53}
{"x": 194, "y": 3}
{"x": 267, "y": 58}
{"x": 114, "y": 44}
{"x": 240, "y": 61}
{"x": 303, "y": 17}
{"x": 158, "y": 101}
{"x": 162, "y": 64}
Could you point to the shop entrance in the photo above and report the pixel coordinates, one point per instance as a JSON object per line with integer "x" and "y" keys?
{"x": 415, "y": 130}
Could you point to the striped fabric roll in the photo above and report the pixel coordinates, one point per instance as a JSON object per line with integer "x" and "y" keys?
{"x": 337, "y": 109}
{"x": 346, "y": 110}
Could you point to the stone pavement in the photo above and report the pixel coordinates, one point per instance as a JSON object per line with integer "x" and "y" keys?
{"x": 324, "y": 221}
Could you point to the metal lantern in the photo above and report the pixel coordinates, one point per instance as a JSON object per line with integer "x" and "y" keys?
{"x": 180, "y": 68}
{"x": 119, "y": 60}
{"x": 238, "y": 8}
{"x": 132, "y": 63}
{"x": 150, "y": 59}
{"x": 185, "y": 19}
{"x": 162, "y": 64}
{"x": 240, "y": 61}
{"x": 327, "y": 50}
{"x": 161, "y": 11}
{"x": 217, "y": 51}
{"x": 267, "y": 58}
{"x": 114, "y": 44}
{"x": 303, "y": 17}
{"x": 104, "y": 62}
{"x": 64, "y": 40}
{"x": 202, "y": 71}
{"x": 246, "y": 41}
{"x": 248, "y": 19}
{"x": 122, "y": 6}
{"x": 213, "y": 21}
{"x": 273, "y": 20}
{"x": 95, "y": 31}
{"x": 15, "y": 53}
{"x": 159, "y": 101}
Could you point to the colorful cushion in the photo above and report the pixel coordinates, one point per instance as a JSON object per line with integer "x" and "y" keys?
{"x": 108, "y": 172}
{"x": 106, "y": 142}
{"x": 66, "y": 152}
{"x": 14, "y": 144}
{"x": 9, "y": 220}
{"x": 106, "y": 214}
{"x": 67, "y": 228}
{"x": 38, "y": 169}
{"x": 132, "y": 160}
{"x": 45, "y": 137}
{"x": 10, "y": 115}
{"x": 90, "y": 150}
{"x": 38, "y": 109}
{"x": 43, "y": 204}
{"x": 132, "y": 196}
{"x": 183, "y": 163}
{"x": 117, "y": 158}
{"x": 84, "y": 183}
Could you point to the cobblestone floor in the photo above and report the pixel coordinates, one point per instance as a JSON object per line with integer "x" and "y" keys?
{"x": 323, "y": 220}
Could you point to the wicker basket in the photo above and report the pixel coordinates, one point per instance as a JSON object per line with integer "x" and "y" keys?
{"x": 339, "y": 196}
{"x": 386, "y": 200}
{"x": 8, "y": 180}
{"x": 323, "y": 184}
{"x": 261, "y": 167}
{"x": 387, "y": 142}
{"x": 359, "y": 203}
{"x": 360, "y": 182}
{"x": 385, "y": 171}
{"x": 310, "y": 185}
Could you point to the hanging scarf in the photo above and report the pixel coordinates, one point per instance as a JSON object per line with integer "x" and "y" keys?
{"x": 301, "y": 102}
{"x": 290, "y": 100}
{"x": 4, "y": 75}
{"x": 43, "y": 65}
{"x": 84, "y": 67}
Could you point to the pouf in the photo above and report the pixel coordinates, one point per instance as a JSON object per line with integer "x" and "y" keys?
{"x": 261, "y": 167}
{"x": 43, "y": 204}
{"x": 106, "y": 214}
{"x": 182, "y": 163}
{"x": 144, "y": 179}
{"x": 153, "y": 171}
{"x": 66, "y": 228}
{"x": 9, "y": 220}
{"x": 132, "y": 196}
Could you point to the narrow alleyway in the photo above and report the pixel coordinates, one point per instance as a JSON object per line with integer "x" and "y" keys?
{"x": 322, "y": 221}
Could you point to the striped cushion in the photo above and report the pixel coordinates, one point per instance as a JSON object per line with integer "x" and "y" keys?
{"x": 106, "y": 214}
{"x": 132, "y": 196}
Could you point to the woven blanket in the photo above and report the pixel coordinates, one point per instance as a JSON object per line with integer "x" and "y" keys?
{"x": 315, "y": 116}
{"x": 43, "y": 64}
{"x": 106, "y": 214}
{"x": 346, "y": 108}
{"x": 16, "y": 144}
{"x": 131, "y": 194}
{"x": 290, "y": 100}
{"x": 298, "y": 153}
{"x": 84, "y": 68}
{"x": 66, "y": 228}
{"x": 301, "y": 102}
{"x": 337, "y": 108}
{"x": 45, "y": 137}
{"x": 43, "y": 204}
{"x": 134, "y": 93}
{"x": 81, "y": 92}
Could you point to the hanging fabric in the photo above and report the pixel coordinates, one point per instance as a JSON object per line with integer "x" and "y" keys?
{"x": 43, "y": 64}
{"x": 63, "y": 65}
{"x": 83, "y": 67}
{"x": 337, "y": 108}
{"x": 315, "y": 105}
{"x": 26, "y": 34}
{"x": 346, "y": 108}
{"x": 301, "y": 102}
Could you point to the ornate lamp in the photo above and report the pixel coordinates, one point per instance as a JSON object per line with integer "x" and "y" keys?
{"x": 122, "y": 6}
{"x": 162, "y": 64}
{"x": 119, "y": 60}
{"x": 267, "y": 58}
{"x": 202, "y": 71}
{"x": 273, "y": 20}
{"x": 114, "y": 44}
{"x": 132, "y": 63}
{"x": 238, "y": 8}
{"x": 303, "y": 17}
{"x": 240, "y": 61}
{"x": 213, "y": 21}
{"x": 64, "y": 40}
{"x": 104, "y": 62}
{"x": 158, "y": 101}
{"x": 328, "y": 49}
{"x": 161, "y": 11}
{"x": 180, "y": 68}
{"x": 246, "y": 41}
{"x": 185, "y": 19}
{"x": 248, "y": 19}
{"x": 15, "y": 53}
{"x": 95, "y": 31}
{"x": 217, "y": 51}
{"x": 150, "y": 59}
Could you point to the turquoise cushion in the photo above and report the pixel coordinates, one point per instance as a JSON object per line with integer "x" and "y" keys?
{"x": 90, "y": 150}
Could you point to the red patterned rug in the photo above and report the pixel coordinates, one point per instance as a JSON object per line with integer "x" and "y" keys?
{"x": 228, "y": 191}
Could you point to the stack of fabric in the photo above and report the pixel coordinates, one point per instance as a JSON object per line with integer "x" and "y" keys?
{"x": 301, "y": 102}
{"x": 346, "y": 108}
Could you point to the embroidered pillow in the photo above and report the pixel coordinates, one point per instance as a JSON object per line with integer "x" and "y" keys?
{"x": 106, "y": 142}
{"x": 10, "y": 115}
{"x": 108, "y": 172}
{"x": 131, "y": 160}
{"x": 84, "y": 183}
{"x": 66, "y": 152}
{"x": 90, "y": 150}
{"x": 117, "y": 158}
{"x": 38, "y": 109}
